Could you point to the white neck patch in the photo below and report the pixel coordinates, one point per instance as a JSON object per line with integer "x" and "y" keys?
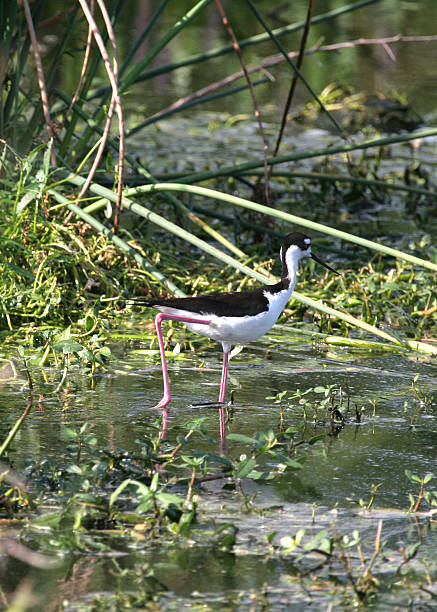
{"x": 292, "y": 256}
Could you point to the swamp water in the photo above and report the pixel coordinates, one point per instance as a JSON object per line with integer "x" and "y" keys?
{"x": 397, "y": 432}
{"x": 247, "y": 551}
{"x": 331, "y": 533}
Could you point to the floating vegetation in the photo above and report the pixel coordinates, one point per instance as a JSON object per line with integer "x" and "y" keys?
{"x": 106, "y": 501}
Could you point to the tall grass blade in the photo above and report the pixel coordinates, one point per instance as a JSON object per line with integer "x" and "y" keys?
{"x": 132, "y": 75}
{"x": 293, "y": 65}
{"x": 315, "y": 305}
{"x": 167, "y": 225}
{"x": 144, "y": 34}
{"x": 13, "y": 432}
{"x": 281, "y": 159}
{"x": 230, "y": 199}
{"x": 340, "y": 178}
{"x": 183, "y": 209}
{"x": 201, "y": 100}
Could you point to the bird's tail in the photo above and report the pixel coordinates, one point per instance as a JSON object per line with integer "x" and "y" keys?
{"x": 140, "y": 301}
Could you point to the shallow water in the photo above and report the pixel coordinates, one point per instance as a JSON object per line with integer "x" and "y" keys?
{"x": 395, "y": 434}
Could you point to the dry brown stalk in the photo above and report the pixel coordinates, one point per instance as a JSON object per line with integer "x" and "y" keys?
{"x": 84, "y": 65}
{"x": 112, "y": 72}
{"x": 295, "y": 76}
{"x": 273, "y": 60}
{"x": 41, "y": 79}
{"x": 257, "y": 113}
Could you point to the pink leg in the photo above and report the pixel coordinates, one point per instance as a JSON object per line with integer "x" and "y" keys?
{"x": 224, "y": 379}
{"x": 163, "y": 432}
{"x": 222, "y": 417}
{"x": 160, "y": 317}
{"x": 222, "y": 397}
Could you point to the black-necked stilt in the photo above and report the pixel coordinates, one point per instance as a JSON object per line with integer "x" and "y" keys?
{"x": 235, "y": 317}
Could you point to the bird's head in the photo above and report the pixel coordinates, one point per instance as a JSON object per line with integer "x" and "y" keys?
{"x": 295, "y": 247}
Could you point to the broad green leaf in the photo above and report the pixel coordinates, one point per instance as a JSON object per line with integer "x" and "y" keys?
{"x": 241, "y": 438}
{"x": 245, "y": 467}
{"x": 68, "y": 346}
{"x": 169, "y": 498}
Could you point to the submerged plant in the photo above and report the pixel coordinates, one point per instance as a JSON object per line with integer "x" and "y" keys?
{"x": 356, "y": 568}
{"x": 430, "y": 497}
{"x": 334, "y": 407}
{"x": 153, "y": 489}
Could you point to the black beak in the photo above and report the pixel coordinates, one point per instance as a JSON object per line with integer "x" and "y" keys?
{"x": 323, "y": 264}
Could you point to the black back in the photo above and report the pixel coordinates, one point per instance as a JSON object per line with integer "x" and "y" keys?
{"x": 227, "y": 304}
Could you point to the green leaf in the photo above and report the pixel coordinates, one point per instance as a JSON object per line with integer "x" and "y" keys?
{"x": 74, "y": 469}
{"x": 154, "y": 483}
{"x": 46, "y": 159}
{"x": 241, "y": 438}
{"x": 86, "y": 355}
{"x": 185, "y": 522}
{"x": 68, "y": 346}
{"x": 288, "y": 461}
{"x": 211, "y": 458}
{"x": 256, "y": 475}
{"x": 28, "y": 197}
{"x": 68, "y": 434}
{"x": 288, "y": 543}
{"x": 141, "y": 488}
{"x": 228, "y": 540}
{"x": 49, "y": 519}
{"x": 87, "y": 498}
{"x": 193, "y": 461}
{"x": 411, "y": 550}
{"x": 245, "y": 467}
{"x": 169, "y": 498}
{"x": 299, "y": 535}
{"x": 320, "y": 541}
{"x": 145, "y": 506}
{"x": 315, "y": 439}
{"x": 83, "y": 428}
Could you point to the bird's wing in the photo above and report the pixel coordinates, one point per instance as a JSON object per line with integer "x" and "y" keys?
{"x": 233, "y": 304}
